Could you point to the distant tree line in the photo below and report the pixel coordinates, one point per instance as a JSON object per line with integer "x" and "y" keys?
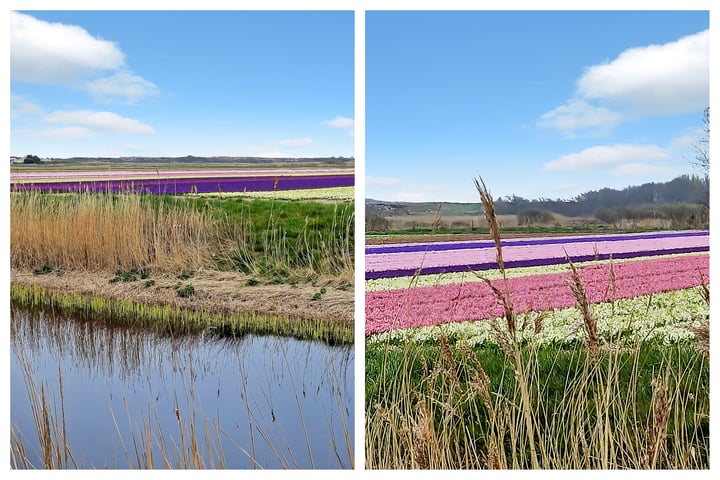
{"x": 688, "y": 189}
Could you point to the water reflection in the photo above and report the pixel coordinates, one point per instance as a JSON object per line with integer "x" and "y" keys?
{"x": 265, "y": 402}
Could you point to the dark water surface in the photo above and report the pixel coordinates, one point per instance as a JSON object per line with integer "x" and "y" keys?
{"x": 254, "y": 402}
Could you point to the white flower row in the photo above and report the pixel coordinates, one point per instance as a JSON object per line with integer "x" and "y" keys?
{"x": 333, "y": 193}
{"x": 662, "y": 317}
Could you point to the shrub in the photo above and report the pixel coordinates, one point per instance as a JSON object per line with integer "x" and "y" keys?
{"x": 535, "y": 216}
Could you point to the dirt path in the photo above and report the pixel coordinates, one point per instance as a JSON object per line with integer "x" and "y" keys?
{"x": 214, "y": 292}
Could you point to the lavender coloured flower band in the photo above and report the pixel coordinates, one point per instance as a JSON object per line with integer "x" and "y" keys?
{"x": 429, "y": 247}
{"x": 535, "y": 262}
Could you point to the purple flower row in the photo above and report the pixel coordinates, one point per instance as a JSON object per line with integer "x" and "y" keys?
{"x": 400, "y": 264}
{"x": 195, "y": 185}
{"x": 465, "y": 245}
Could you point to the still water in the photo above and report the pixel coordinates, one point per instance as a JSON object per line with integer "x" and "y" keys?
{"x": 128, "y": 398}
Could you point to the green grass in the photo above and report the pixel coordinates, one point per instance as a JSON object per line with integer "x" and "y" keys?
{"x": 436, "y": 388}
{"x": 278, "y": 237}
{"x": 178, "y": 320}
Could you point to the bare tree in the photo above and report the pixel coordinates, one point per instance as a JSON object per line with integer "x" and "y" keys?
{"x": 702, "y": 151}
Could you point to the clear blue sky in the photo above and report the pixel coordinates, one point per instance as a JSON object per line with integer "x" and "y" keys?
{"x": 150, "y": 83}
{"x": 539, "y": 104}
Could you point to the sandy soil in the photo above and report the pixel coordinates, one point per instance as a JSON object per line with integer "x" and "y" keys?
{"x": 214, "y": 291}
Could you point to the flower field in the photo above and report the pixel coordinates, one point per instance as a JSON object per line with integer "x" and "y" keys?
{"x": 422, "y": 285}
{"x": 183, "y": 181}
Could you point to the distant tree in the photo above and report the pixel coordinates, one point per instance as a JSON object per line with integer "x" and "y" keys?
{"x": 32, "y": 159}
{"x": 376, "y": 223}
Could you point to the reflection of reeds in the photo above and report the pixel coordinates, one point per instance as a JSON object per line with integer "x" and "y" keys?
{"x": 50, "y": 426}
{"x": 194, "y": 440}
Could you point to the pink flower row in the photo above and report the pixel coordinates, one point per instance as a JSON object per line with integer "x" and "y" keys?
{"x": 424, "y": 306}
{"x": 128, "y": 174}
{"x": 449, "y": 258}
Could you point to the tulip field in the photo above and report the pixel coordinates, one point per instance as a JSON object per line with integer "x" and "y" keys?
{"x": 427, "y": 284}
{"x": 183, "y": 181}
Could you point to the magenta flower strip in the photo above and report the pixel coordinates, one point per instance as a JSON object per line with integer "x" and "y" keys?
{"x": 425, "y": 306}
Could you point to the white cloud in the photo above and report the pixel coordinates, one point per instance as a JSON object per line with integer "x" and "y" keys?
{"x": 296, "y": 142}
{"x": 643, "y": 170}
{"x": 54, "y": 53}
{"x": 99, "y": 121}
{"x": 381, "y": 181}
{"x": 600, "y": 157}
{"x": 667, "y": 79}
{"x": 123, "y": 85}
{"x": 340, "y": 122}
{"x": 663, "y": 79}
{"x": 577, "y": 114}
{"x": 20, "y": 106}
{"x": 59, "y": 54}
{"x": 344, "y": 123}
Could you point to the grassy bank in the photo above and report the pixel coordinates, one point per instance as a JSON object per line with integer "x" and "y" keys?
{"x": 230, "y": 265}
{"x": 180, "y": 318}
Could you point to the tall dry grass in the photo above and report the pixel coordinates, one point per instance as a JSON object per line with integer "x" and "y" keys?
{"x": 102, "y": 232}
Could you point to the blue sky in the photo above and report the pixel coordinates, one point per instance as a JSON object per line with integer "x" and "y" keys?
{"x": 544, "y": 104}
{"x": 152, "y": 83}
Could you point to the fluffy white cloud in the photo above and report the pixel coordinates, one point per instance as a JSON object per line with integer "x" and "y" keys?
{"x": 340, "y": 122}
{"x": 657, "y": 79}
{"x": 52, "y": 53}
{"x": 600, "y": 157}
{"x": 123, "y": 85}
{"x": 344, "y": 123}
{"x": 667, "y": 79}
{"x": 578, "y": 115}
{"x": 59, "y": 54}
{"x": 296, "y": 142}
{"x": 107, "y": 122}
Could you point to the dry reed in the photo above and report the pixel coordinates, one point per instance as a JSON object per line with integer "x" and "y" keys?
{"x": 102, "y": 232}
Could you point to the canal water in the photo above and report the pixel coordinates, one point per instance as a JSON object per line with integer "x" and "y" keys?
{"x": 129, "y": 398}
